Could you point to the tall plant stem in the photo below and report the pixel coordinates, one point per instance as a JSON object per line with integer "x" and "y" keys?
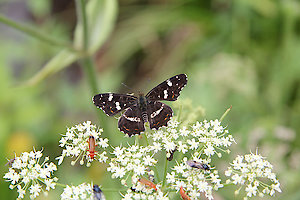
{"x": 226, "y": 112}
{"x": 165, "y": 172}
{"x": 81, "y": 17}
{"x": 34, "y": 33}
{"x": 87, "y": 62}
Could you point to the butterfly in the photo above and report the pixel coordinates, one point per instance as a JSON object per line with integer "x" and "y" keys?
{"x": 142, "y": 108}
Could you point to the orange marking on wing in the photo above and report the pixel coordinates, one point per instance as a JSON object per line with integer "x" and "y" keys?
{"x": 148, "y": 183}
{"x": 184, "y": 196}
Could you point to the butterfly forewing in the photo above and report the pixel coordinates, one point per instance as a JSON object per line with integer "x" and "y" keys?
{"x": 112, "y": 103}
{"x": 158, "y": 114}
{"x": 168, "y": 90}
{"x": 131, "y": 122}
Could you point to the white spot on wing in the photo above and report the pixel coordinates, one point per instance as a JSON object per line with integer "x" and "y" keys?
{"x": 110, "y": 97}
{"x": 169, "y": 82}
{"x": 133, "y": 119}
{"x": 165, "y": 94}
{"x": 157, "y": 112}
{"x": 118, "y": 106}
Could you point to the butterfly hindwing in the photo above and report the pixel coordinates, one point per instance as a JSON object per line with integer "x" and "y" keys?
{"x": 158, "y": 114}
{"x": 168, "y": 90}
{"x": 112, "y": 103}
{"x": 131, "y": 122}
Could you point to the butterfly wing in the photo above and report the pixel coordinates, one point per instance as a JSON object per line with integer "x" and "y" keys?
{"x": 158, "y": 114}
{"x": 112, "y": 103}
{"x": 168, "y": 90}
{"x": 131, "y": 122}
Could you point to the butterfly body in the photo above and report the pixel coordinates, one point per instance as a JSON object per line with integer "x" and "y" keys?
{"x": 142, "y": 103}
{"x": 144, "y": 108}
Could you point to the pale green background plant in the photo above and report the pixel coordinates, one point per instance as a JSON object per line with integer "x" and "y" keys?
{"x": 243, "y": 53}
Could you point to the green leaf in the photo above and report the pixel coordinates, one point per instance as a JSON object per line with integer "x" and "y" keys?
{"x": 101, "y": 16}
{"x": 61, "y": 60}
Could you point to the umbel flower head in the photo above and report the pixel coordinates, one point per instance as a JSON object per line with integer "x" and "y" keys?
{"x": 252, "y": 170}
{"x": 83, "y": 191}
{"x": 134, "y": 160}
{"x": 145, "y": 194}
{"x": 194, "y": 180}
{"x": 27, "y": 172}
{"x": 76, "y": 143}
{"x": 207, "y": 138}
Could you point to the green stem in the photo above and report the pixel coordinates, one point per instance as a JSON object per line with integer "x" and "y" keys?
{"x": 157, "y": 174}
{"x": 34, "y": 33}
{"x": 88, "y": 66}
{"x": 113, "y": 190}
{"x": 224, "y": 115}
{"x": 179, "y": 113}
{"x": 61, "y": 185}
{"x": 165, "y": 172}
{"x": 81, "y": 18}
{"x": 87, "y": 62}
{"x": 137, "y": 139}
{"x": 146, "y": 139}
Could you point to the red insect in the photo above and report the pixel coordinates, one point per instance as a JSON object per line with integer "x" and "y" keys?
{"x": 184, "y": 196}
{"x": 148, "y": 183}
{"x": 92, "y": 146}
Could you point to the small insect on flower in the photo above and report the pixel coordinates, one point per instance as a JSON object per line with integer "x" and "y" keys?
{"x": 198, "y": 165}
{"x": 92, "y": 146}
{"x": 171, "y": 154}
{"x": 148, "y": 183}
{"x": 184, "y": 196}
{"x": 10, "y": 162}
{"x": 150, "y": 174}
{"x": 80, "y": 142}
{"x": 98, "y": 194}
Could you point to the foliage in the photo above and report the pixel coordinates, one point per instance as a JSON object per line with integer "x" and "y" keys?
{"x": 242, "y": 53}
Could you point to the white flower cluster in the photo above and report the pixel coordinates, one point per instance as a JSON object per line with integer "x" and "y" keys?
{"x": 194, "y": 180}
{"x": 26, "y": 172}
{"x": 76, "y": 143}
{"x": 83, "y": 191}
{"x": 166, "y": 137}
{"x": 210, "y": 136}
{"x": 150, "y": 195}
{"x": 252, "y": 170}
{"x": 205, "y": 137}
{"x": 134, "y": 160}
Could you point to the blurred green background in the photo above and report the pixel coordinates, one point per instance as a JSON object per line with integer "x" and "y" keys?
{"x": 244, "y": 53}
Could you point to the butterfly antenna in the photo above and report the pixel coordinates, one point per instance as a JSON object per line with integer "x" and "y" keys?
{"x": 127, "y": 86}
{"x": 131, "y": 89}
